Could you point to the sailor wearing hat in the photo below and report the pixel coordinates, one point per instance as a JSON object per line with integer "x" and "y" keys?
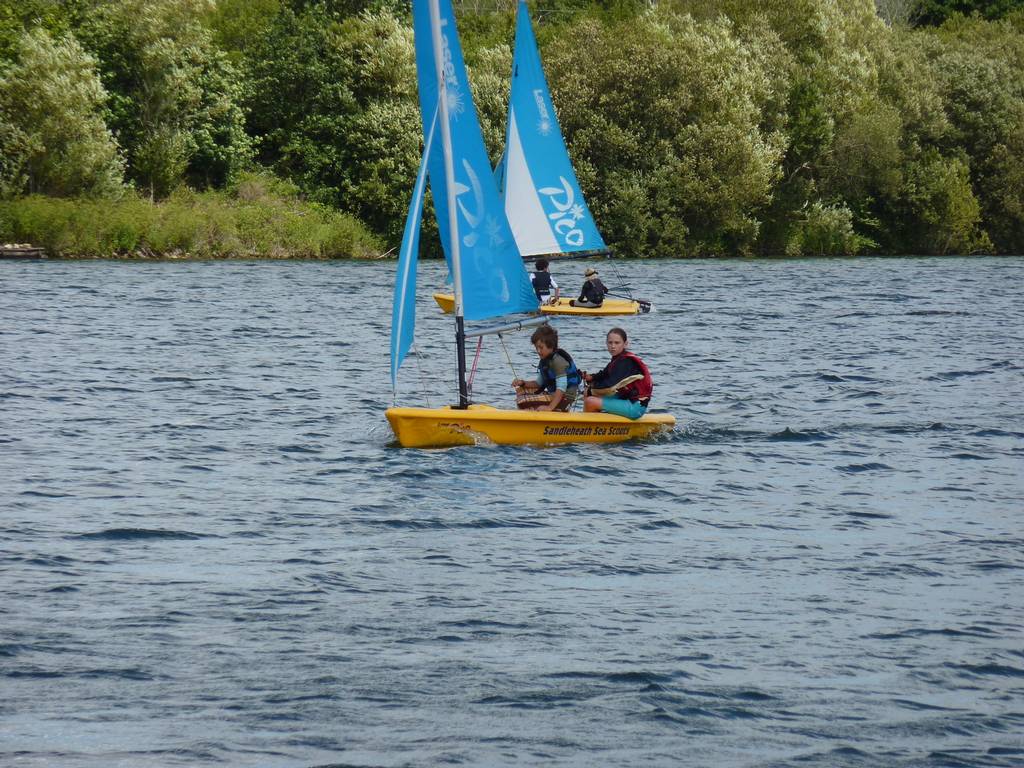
{"x": 593, "y": 292}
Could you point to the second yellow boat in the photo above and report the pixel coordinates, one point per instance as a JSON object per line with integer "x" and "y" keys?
{"x": 446, "y": 302}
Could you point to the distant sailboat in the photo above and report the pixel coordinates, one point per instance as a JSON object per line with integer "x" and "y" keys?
{"x": 543, "y": 200}
{"x": 488, "y": 275}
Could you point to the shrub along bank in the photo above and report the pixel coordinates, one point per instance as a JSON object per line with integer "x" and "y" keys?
{"x": 254, "y": 219}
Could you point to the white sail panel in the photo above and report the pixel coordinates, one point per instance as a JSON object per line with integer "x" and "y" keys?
{"x": 523, "y": 205}
{"x": 554, "y": 200}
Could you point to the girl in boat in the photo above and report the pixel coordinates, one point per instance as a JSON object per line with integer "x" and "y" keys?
{"x": 622, "y": 387}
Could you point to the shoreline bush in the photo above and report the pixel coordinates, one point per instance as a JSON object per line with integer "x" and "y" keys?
{"x": 257, "y": 219}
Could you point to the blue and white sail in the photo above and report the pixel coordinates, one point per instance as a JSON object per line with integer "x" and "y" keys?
{"x": 543, "y": 200}
{"x": 492, "y": 280}
{"x": 491, "y": 274}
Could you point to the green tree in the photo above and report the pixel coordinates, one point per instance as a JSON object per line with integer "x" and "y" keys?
{"x": 490, "y": 69}
{"x": 52, "y": 134}
{"x": 977, "y": 66}
{"x": 865, "y": 156}
{"x": 825, "y": 230}
{"x": 58, "y": 17}
{"x": 236, "y": 25}
{"x": 336, "y": 108}
{"x": 898, "y": 12}
{"x": 939, "y": 201}
{"x": 832, "y": 73}
{"x": 674, "y": 157}
{"x": 380, "y": 142}
{"x": 935, "y": 12}
{"x": 299, "y": 101}
{"x": 175, "y": 105}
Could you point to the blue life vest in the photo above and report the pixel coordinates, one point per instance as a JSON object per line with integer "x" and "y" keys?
{"x": 572, "y": 373}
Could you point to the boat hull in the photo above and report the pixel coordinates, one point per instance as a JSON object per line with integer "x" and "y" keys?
{"x": 446, "y": 301}
{"x": 610, "y": 307}
{"x": 447, "y": 426}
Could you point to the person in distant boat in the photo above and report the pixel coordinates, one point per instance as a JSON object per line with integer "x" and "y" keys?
{"x": 622, "y": 387}
{"x": 544, "y": 284}
{"x": 593, "y": 292}
{"x": 558, "y": 378}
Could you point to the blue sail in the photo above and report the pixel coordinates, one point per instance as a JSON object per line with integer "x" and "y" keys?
{"x": 494, "y": 280}
{"x": 543, "y": 200}
{"x": 403, "y": 313}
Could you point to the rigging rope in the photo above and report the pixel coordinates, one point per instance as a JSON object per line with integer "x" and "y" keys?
{"x": 501, "y": 338}
{"x": 618, "y": 279}
{"x": 419, "y": 369}
{"x": 476, "y": 359}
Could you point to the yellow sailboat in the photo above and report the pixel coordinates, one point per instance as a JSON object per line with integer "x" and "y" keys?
{"x": 610, "y": 307}
{"x": 486, "y": 266}
{"x": 438, "y": 427}
{"x": 544, "y": 204}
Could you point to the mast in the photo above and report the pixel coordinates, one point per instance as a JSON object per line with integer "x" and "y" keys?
{"x": 453, "y": 213}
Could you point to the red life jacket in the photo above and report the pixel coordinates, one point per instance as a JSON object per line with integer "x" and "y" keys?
{"x": 638, "y": 390}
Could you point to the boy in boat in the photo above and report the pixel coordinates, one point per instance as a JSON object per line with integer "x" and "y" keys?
{"x": 593, "y": 292}
{"x": 558, "y": 378}
{"x": 544, "y": 284}
{"x": 622, "y": 387}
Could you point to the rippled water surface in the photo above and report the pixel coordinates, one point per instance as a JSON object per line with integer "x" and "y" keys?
{"x": 211, "y": 552}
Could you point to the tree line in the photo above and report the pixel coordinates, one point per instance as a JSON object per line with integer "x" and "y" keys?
{"x": 697, "y": 127}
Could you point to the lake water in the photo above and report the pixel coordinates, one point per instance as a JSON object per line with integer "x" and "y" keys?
{"x": 211, "y": 552}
